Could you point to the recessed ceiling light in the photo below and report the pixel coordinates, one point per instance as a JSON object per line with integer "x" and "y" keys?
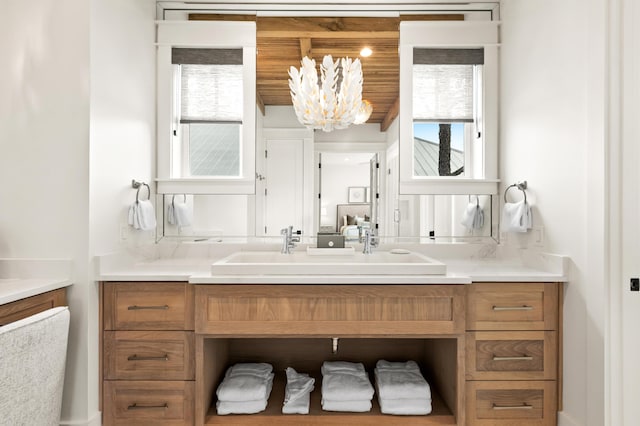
{"x": 366, "y": 52}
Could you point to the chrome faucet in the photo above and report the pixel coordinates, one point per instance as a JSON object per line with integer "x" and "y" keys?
{"x": 370, "y": 240}
{"x": 289, "y": 240}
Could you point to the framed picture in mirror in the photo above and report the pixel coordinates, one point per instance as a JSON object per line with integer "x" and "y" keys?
{"x": 357, "y": 194}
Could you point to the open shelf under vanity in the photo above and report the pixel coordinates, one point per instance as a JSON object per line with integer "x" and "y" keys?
{"x": 437, "y": 358}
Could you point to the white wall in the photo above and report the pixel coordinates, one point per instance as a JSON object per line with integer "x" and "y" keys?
{"x": 551, "y": 135}
{"x": 76, "y": 128}
{"x": 44, "y": 165}
{"x": 122, "y": 148}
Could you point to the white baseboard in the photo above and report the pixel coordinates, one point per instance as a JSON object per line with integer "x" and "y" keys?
{"x": 565, "y": 420}
{"x": 95, "y": 420}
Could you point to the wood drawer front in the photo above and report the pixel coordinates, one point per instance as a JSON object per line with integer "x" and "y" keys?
{"x": 148, "y": 306}
{"x": 149, "y": 355}
{"x": 321, "y": 310}
{"x": 515, "y": 355}
{"x": 148, "y": 403}
{"x": 511, "y": 403}
{"x": 518, "y": 306}
{"x": 26, "y": 307}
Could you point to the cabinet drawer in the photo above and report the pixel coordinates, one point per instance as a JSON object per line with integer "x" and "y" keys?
{"x": 327, "y": 310}
{"x": 148, "y": 306}
{"x": 148, "y": 403}
{"x": 511, "y": 403}
{"x": 511, "y": 355}
{"x": 149, "y": 355}
{"x": 521, "y": 306}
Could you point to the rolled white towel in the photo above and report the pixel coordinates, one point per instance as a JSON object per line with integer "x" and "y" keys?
{"x": 401, "y": 384}
{"x": 356, "y": 406}
{"x": 405, "y": 407}
{"x": 299, "y": 405}
{"x": 241, "y": 407}
{"x": 298, "y": 385}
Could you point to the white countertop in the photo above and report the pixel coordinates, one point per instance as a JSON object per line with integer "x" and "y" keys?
{"x": 468, "y": 268}
{"x": 22, "y": 278}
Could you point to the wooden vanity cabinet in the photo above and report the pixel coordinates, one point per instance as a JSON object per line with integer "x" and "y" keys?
{"x": 148, "y": 353}
{"x": 488, "y": 350}
{"x": 512, "y": 363}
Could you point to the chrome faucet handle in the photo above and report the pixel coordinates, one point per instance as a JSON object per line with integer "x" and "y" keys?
{"x": 370, "y": 240}
{"x": 289, "y": 239}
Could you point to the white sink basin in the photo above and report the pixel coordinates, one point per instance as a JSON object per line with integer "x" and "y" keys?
{"x": 302, "y": 263}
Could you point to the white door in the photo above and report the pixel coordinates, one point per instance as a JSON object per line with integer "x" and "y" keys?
{"x": 631, "y": 214}
{"x": 284, "y": 185}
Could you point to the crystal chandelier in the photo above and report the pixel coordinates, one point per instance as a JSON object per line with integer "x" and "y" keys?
{"x": 333, "y": 103}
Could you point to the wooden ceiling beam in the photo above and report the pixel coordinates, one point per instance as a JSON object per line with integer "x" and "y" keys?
{"x": 305, "y": 47}
{"x": 393, "y": 112}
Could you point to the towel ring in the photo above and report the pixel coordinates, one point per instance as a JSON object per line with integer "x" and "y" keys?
{"x": 173, "y": 199}
{"x": 521, "y": 186}
{"x": 138, "y": 192}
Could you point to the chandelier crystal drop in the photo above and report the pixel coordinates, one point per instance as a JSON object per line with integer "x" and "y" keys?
{"x": 333, "y": 103}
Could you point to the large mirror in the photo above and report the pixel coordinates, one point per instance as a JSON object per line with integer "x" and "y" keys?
{"x": 343, "y": 181}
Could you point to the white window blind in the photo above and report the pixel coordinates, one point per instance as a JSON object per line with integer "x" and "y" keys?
{"x": 443, "y": 84}
{"x": 443, "y": 92}
{"x": 211, "y": 84}
{"x": 211, "y": 93}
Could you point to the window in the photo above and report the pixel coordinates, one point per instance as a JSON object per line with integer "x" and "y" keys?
{"x": 446, "y": 107}
{"x": 209, "y": 111}
{"x": 206, "y": 107}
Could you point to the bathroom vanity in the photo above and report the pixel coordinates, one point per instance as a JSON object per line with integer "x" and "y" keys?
{"x": 491, "y": 351}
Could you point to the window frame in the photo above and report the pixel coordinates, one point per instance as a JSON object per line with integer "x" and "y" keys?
{"x": 459, "y": 34}
{"x": 213, "y": 35}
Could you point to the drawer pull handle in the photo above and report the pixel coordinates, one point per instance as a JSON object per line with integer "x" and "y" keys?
{"x": 139, "y": 308}
{"x": 135, "y": 357}
{"x": 135, "y": 406}
{"x": 513, "y": 358}
{"x": 513, "y": 308}
{"x": 524, "y": 406}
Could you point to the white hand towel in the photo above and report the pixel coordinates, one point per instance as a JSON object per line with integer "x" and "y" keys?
{"x": 361, "y": 406}
{"x": 133, "y": 216}
{"x": 473, "y": 216}
{"x": 171, "y": 217}
{"x": 401, "y": 384}
{"x": 241, "y": 407}
{"x": 182, "y": 214}
{"x": 298, "y": 406}
{"x": 406, "y": 407}
{"x": 298, "y": 385}
{"x": 144, "y": 215}
{"x": 516, "y": 217}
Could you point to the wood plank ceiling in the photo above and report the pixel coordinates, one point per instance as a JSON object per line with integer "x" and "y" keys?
{"x": 283, "y": 41}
